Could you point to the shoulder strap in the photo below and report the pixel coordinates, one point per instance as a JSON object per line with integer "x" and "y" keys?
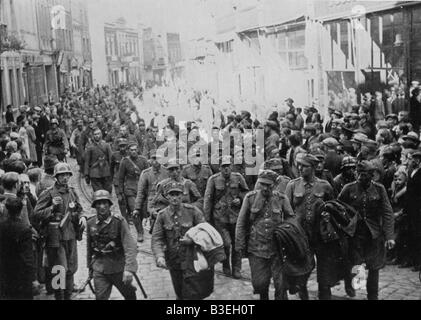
{"x": 128, "y": 158}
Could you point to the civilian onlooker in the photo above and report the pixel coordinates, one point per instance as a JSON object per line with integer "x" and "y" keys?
{"x": 9, "y": 114}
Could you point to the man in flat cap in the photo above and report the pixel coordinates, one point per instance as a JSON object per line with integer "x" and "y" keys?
{"x": 223, "y": 198}
{"x": 262, "y": 211}
{"x": 304, "y": 194}
{"x": 375, "y": 227}
{"x": 168, "y": 237}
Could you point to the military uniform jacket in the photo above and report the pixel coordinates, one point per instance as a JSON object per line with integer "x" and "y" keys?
{"x": 110, "y": 246}
{"x": 219, "y": 196}
{"x": 129, "y": 174}
{"x": 98, "y": 160}
{"x": 304, "y": 198}
{"x": 116, "y": 158}
{"x": 44, "y": 210}
{"x": 258, "y": 220}
{"x": 373, "y": 205}
{"x": 147, "y": 188}
{"x": 191, "y": 194}
{"x": 169, "y": 228}
{"x": 199, "y": 175}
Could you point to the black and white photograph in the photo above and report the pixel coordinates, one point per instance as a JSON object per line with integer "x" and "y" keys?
{"x": 231, "y": 151}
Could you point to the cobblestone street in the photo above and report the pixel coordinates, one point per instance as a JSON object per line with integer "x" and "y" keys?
{"x": 395, "y": 283}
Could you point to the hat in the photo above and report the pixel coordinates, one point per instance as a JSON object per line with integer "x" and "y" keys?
{"x": 267, "y": 177}
{"x": 338, "y": 113}
{"x": 271, "y": 124}
{"x": 365, "y": 166}
{"x": 348, "y": 162}
{"x": 330, "y": 142}
{"x": 37, "y": 109}
{"x": 392, "y": 115}
{"x": 50, "y": 162}
{"x": 173, "y": 187}
{"x": 370, "y": 143}
{"x": 226, "y": 160}
{"x": 172, "y": 163}
{"x": 273, "y": 164}
{"x": 417, "y": 153}
{"x": 54, "y": 121}
{"x": 289, "y": 100}
{"x": 310, "y": 127}
{"x": 355, "y": 116}
{"x": 320, "y": 156}
{"x": 308, "y": 160}
{"x": 14, "y": 135}
{"x": 410, "y": 136}
{"x": 122, "y": 142}
{"x": 359, "y": 137}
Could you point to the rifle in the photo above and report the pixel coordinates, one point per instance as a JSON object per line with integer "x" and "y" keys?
{"x": 140, "y": 285}
{"x": 85, "y": 284}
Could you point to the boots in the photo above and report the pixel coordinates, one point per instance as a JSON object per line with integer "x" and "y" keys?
{"x": 350, "y": 291}
{"x": 303, "y": 293}
{"x": 236, "y": 265}
{"x": 324, "y": 292}
{"x": 264, "y": 296}
{"x": 373, "y": 285}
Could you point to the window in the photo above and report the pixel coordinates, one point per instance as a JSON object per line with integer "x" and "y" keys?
{"x": 291, "y": 46}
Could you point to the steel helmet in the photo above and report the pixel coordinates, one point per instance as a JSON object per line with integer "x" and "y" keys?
{"x": 101, "y": 195}
{"x": 62, "y": 168}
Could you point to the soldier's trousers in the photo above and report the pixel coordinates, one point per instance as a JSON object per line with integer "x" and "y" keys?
{"x": 130, "y": 208}
{"x": 104, "y": 283}
{"x": 262, "y": 270}
{"x": 102, "y": 184}
{"x": 227, "y": 231}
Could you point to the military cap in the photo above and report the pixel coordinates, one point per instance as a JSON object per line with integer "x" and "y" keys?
{"x": 392, "y": 115}
{"x": 267, "y": 177}
{"x": 348, "y": 162}
{"x": 289, "y": 100}
{"x": 365, "y": 165}
{"x": 172, "y": 163}
{"x": 80, "y": 121}
{"x": 226, "y": 160}
{"x": 133, "y": 144}
{"x": 173, "y": 187}
{"x": 381, "y": 124}
{"x": 308, "y": 160}
{"x": 320, "y": 156}
{"x": 37, "y": 109}
{"x": 359, "y": 137}
{"x": 122, "y": 142}
{"x": 417, "y": 153}
{"x": 412, "y": 136}
{"x": 273, "y": 164}
{"x": 330, "y": 142}
{"x": 155, "y": 154}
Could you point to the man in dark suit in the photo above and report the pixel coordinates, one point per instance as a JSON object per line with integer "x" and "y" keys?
{"x": 17, "y": 263}
{"x": 412, "y": 208}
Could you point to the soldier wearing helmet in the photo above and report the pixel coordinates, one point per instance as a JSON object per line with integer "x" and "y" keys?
{"x": 56, "y": 142}
{"x": 111, "y": 250}
{"x": 116, "y": 158}
{"x": 59, "y": 210}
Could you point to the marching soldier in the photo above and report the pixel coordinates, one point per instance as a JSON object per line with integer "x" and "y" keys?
{"x": 85, "y": 139}
{"x": 375, "y": 227}
{"x": 168, "y": 235}
{"x": 191, "y": 194}
{"x": 262, "y": 211}
{"x": 147, "y": 189}
{"x": 277, "y": 166}
{"x": 347, "y": 174}
{"x": 198, "y": 173}
{"x": 111, "y": 250}
{"x": 115, "y": 167}
{"x": 223, "y": 197}
{"x": 131, "y": 168}
{"x": 304, "y": 194}
{"x": 97, "y": 163}
{"x": 56, "y": 142}
{"x": 59, "y": 211}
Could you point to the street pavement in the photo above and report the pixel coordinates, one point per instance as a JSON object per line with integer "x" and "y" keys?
{"x": 395, "y": 283}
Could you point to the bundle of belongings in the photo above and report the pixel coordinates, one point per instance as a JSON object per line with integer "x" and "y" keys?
{"x": 336, "y": 224}
{"x": 294, "y": 249}
{"x": 199, "y": 260}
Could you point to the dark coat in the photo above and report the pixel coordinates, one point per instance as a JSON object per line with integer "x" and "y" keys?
{"x": 17, "y": 262}
{"x": 412, "y": 206}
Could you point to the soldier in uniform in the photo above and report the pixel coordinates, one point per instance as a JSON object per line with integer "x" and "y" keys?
{"x": 277, "y": 166}
{"x": 114, "y": 168}
{"x": 305, "y": 194}
{"x": 375, "y": 227}
{"x": 60, "y": 214}
{"x": 198, "y": 173}
{"x": 190, "y": 195}
{"x": 97, "y": 164}
{"x": 168, "y": 235}
{"x": 56, "y": 142}
{"x": 262, "y": 211}
{"x": 131, "y": 168}
{"x": 111, "y": 250}
{"x": 47, "y": 179}
{"x": 347, "y": 174}
{"x": 223, "y": 197}
{"x": 147, "y": 188}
